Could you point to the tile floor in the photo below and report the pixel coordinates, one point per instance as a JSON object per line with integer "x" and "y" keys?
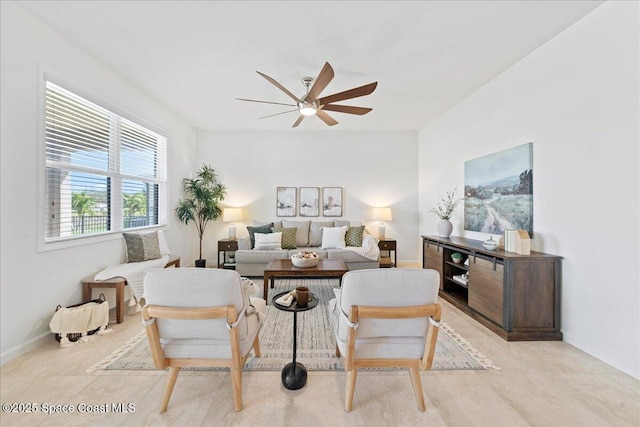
{"x": 540, "y": 384}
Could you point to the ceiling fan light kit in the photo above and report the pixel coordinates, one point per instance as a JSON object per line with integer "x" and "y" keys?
{"x": 310, "y": 104}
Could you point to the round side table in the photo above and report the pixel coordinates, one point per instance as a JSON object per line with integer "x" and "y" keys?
{"x": 294, "y": 374}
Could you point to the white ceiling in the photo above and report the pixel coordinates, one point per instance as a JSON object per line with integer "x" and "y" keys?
{"x": 195, "y": 57}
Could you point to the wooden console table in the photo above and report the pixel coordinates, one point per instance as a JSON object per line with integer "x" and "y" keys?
{"x": 88, "y": 283}
{"x": 515, "y": 296}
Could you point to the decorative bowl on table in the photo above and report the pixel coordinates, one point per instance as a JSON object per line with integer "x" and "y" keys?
{"x": 490, "y": 244}
{"x": 305, "y": 259}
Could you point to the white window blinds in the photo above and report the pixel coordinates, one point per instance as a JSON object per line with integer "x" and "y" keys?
{"x": 104, "y": 173}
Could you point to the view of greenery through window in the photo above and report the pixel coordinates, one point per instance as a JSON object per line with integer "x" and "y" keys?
{"x": 104, "y": 173}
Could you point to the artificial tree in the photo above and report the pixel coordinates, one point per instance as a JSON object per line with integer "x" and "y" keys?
{"x": 201, "y": 205}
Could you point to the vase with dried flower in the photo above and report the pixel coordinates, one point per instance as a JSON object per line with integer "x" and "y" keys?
{"x": 445, "y": 208}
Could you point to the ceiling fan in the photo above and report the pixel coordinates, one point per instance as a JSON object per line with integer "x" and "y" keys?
{"x": 310, "y": 104}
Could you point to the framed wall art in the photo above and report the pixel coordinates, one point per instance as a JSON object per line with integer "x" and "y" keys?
{"x": 331, "y": 201}
{"x": 286, "y": 201}
{"x": 309, "y": 201}
{"x": 498, "y": 191}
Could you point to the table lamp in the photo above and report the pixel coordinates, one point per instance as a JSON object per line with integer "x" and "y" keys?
{"x": 232, "y": 215}
{"x": 381, "y": 214}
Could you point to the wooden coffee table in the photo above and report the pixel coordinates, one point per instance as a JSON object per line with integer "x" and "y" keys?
{"x": 283, "y": 268}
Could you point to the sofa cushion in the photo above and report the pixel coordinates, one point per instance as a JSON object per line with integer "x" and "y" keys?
{"x": 333, "y": 237}
{"x": 353, "y": 237}
{"x": 268, "y": 241}
{"x": 142, "y": 246}
{"x": 302, "y": 234}
{"x": 346, "y": 255}
{"x": 276, "y": 224}
{"x": 315, "y": 232}
{"x": 263, "y": 229}
{"x": 288, "y": 237}
{"x": 260, "y": 257}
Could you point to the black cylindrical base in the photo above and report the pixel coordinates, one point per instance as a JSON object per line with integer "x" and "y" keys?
{"x": 294, "y": 377}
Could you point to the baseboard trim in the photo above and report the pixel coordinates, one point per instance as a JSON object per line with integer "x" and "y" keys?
{"x": 25, "y": 347}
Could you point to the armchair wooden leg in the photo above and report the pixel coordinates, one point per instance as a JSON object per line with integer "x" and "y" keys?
{"x": 236, "y": 384}
{"x": 417, "y": 387}
{"x": 337, "y": 351}
{"x": 168, "y": 389}
{"x": 256, "y": 346}
{"x": 351, "y": 387}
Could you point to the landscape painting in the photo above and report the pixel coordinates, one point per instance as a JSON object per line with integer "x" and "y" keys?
{"x": 499, "y": 191}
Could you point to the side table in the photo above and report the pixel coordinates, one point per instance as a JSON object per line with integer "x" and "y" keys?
{"x": 388, "y": 245}
{"x": 294, "y": 374}
{"x": 224, "y": 246}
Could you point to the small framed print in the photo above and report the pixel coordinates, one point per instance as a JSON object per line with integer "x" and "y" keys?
{"x": 331, "y": 201}
{"x": 309, "y": 201}
{"x": 286, "y": 201}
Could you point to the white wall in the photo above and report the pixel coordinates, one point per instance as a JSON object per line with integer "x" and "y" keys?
{"x": 32, "y": 283}
{"x": 373, "y": 168}
{"x": 576, "y": 99}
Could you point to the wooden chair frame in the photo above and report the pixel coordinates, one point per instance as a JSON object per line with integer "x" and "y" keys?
{"x": 236, "y": 363}
{"x": 351, "y": 364}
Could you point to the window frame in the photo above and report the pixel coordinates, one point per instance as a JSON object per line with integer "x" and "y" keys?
{"x": 116, "y": 203}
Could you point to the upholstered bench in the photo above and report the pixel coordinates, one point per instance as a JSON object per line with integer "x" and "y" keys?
{"x": 89, "y": 282}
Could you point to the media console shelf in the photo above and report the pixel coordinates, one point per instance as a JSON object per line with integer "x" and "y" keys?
{"x": 516, "y": 296}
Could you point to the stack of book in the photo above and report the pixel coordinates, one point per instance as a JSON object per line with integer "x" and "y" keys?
{"x": 517, "y": 241}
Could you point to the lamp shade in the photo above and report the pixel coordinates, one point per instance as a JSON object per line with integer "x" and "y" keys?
{"x": 231, "y": 215}
{"x": 382, "y": 214}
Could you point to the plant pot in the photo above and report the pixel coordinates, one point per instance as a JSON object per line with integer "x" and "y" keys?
{"x": 444, "y": 228}
{"x": 201, "y": 263}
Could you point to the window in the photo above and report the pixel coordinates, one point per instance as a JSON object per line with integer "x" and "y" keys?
{"x": 104, "y": 173}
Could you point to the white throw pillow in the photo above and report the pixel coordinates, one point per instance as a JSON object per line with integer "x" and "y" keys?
{"x": 333, "y": 237}
{"x": 270, "y": 241}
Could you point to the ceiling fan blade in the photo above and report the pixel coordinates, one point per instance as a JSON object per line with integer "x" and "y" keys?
{"x": 323, "y": 79}
{"x": 277, "y": 114}
{"x": 279, "y": 86}
{"x": 266, "y": 102}
{"x": 326, "y": 118}
{"x": 295, "y": 125}
{"x": 346, "y": 109}
{"x": 348, "y": 94}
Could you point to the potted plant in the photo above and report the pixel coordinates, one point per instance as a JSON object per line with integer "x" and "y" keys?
{"x": 201, "y": 205}
{"x": 445, "y": 208}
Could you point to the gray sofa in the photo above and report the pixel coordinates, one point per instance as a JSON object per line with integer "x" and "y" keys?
{"x": 252, "y": 262}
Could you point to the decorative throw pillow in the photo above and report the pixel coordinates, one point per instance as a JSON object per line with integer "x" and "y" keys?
{"x": 264, "y": 229}
{"x": 333, "y": 237}
{"x": 353, "y": 237}
{"x": 142, "y": 246}
{"x": 315, "y": 232}
{"x": 288, "y": 236}
{"x": 302, "y": 234}
{"x": 268, "y": 241}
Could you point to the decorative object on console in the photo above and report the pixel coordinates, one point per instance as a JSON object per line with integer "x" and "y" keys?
{"x": 517, "y": 241}
{"x": 332, "y": 201}
{"x": 286, "y": 201}
{"x": 490, "y": 244}
{"x": 500, "y": 186}
{"x": 457, "y": 257}
{"x": 309, "y": 201}
{"x": 382, "y": 215}
{"x": 310, "y": 105}
{"x": 445, "y": 208}
{"x": 201, "y": 205}
{"x": 305, "y": 259}
{"x": 232, "y": 215}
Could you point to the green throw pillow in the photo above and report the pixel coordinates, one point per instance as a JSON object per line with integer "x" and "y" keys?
{"x": 263, "y": 229}
{"x": 288, "y": 236}
{"x": 354, "y": 236}
{"x": 142, "y": 246}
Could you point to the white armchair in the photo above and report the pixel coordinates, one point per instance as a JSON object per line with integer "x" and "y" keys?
{"x": 386, "y": 318}
{"x": 200, "y": 317}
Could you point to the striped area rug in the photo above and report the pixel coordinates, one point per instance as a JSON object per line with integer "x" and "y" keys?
{"x": 315, "y": 341}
